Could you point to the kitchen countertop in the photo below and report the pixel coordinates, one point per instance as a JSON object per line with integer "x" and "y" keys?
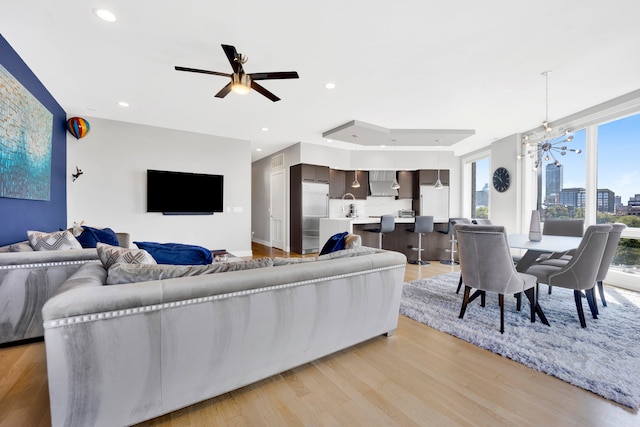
{"x": 375, "y": 220}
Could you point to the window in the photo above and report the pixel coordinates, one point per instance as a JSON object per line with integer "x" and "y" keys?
{"x": 562, "y": 189}
{"x": 618, "y": 184}
{"x": 480, "y": 185}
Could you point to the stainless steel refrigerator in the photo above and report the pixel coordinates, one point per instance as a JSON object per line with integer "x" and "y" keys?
{"x": 315, "y": 205}
{"x": 434, "y": 201}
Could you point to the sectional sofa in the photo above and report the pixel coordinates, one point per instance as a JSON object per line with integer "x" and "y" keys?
{"x": 29, "y": 278}
{"x": 121, "y": 354}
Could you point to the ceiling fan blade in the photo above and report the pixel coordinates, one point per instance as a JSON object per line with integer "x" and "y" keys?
{"x": 224, "y": 91}
{"x": 255, "y": 86}
{"x": 195, "y": 70}
{"x": 275, "y": 75}
{"x": 232, "y": 56}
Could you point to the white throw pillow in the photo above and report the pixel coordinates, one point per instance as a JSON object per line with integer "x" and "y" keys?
{"x": 58, "y": 240}
{"x": 110, "y": 255}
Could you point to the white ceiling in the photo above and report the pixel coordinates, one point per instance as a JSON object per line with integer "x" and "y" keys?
{"x": 411, "y": 64}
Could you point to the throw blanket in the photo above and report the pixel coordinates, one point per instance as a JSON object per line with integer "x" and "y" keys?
{"x": 177, "y": 253}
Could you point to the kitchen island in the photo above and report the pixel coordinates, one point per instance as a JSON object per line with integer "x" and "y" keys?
{"x": 400, "y": 240}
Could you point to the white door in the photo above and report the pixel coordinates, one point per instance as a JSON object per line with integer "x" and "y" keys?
{"x": 277, "y": 209}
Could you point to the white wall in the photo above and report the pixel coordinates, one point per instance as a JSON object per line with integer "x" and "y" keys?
{"x": 114, "y": 157}
{"x": 505, "y": 208}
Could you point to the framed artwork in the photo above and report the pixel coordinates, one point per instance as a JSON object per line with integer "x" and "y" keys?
{"x": 26, "y": 128}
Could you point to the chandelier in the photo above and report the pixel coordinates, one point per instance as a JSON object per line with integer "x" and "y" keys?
{"x": 549, "y": 144}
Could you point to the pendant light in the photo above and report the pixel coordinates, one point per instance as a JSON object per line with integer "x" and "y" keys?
{"x": 355, "y": 183}
{"x": 395, "y": 185}
{"x": 438, "y": 184}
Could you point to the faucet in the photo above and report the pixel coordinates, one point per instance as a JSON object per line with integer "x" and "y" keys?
{"x": 342, "y": 203}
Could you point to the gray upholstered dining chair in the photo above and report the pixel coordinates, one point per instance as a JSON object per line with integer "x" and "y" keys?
{"x": 580, "y": 272}
{"x": 561, "y": 227}
{"x": 607, "y": 257}
{"x": 486, "y": 265}
{"x": 482, "y": 221}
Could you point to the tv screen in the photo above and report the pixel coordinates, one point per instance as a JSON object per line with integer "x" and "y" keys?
{"x": 184, "y": 193}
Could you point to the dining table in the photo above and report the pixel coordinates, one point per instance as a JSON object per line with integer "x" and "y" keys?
{"x": 534, "y": 249}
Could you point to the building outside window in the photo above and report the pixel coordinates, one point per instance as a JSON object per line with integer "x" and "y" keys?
{"x": 563, "y": 191}
{"x": 480, "y": 185}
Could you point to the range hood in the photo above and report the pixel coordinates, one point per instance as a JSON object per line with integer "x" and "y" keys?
{"x": 380, "y": 183}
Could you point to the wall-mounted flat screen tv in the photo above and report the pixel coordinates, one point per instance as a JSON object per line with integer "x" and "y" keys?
{"x": 183, "y": 193}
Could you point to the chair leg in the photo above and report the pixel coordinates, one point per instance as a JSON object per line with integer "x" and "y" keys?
{"x": 459, "y": 284}
{"x": 549, "y": 289}
{"x": 601, "y": 291}
{"x": 518, "y": 300}
{"x": 501, "y": 302}
{"x": 591, "y": 300}
{"x": 577, "y": 296}
{"x": 532, "y": 296}
{"x": 465, "y": 301}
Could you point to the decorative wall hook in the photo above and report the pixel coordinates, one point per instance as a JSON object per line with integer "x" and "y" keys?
{"x": 77, "y": 174}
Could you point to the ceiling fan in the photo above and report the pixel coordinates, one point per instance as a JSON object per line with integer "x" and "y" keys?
{"x": 242, "y": 82}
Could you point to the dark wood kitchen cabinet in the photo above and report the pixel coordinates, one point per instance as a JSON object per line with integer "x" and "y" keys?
{"x": 340, "y": 184}
{"x": 406, "y": 181}
{"x": 314, "y": 173}
{"x": 337, "y": 180}
{"x": 363, "y": 178}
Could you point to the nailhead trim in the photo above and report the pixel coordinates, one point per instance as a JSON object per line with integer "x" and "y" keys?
{"x": 156, "y": 307}
{"x": 46, "y": 264}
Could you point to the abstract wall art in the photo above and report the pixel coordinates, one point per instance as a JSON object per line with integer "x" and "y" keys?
{"x": 26, "y": 128}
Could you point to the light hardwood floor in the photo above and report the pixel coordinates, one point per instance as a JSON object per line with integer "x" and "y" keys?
{"x": 417, "y": 377}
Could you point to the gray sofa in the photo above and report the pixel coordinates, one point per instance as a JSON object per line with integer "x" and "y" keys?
{"x": 28, "y": 279}
{"x": 121, "y": 354}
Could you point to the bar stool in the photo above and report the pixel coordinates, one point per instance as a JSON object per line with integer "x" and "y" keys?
{"x": 452, "y": 239}
{"x": 387, "y": 225}
{"x": 423, "y": 224}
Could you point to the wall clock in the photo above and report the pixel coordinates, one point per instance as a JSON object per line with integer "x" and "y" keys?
{"x": 501, "y": 180}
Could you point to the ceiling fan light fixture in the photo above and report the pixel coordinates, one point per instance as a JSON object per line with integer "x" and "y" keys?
{"x": 241, "y": 84}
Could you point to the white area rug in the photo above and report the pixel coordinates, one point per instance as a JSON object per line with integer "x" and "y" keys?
{"x": 603, "y": 358}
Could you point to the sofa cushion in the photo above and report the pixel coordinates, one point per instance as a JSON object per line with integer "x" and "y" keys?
{"x": 90, "y": 236}
{"x": 121, "y": 273}
{"x": 20, "y": 247}
{"x": 110, "y": 255}
{"x": 345, "y": 253}
{"x": 278, "y": 261}
{"x": 58, "y": 240}
{"x": 177, "y": 253}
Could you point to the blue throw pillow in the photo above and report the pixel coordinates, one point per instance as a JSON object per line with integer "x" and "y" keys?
{"x": 177, "y": 253}
{"x": 335, "y": 243}
{"x": 90, "y": 236}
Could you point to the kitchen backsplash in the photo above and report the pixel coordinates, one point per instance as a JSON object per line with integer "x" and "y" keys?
{"x": 373, "y": 206}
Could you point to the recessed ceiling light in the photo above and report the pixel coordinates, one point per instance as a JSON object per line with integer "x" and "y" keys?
{"x": 264, "y": 129}
{"x": 329, "y": 140}
{"x": 330, "y": 85}
{"x": 258, "y": 149}
{"x": 105, "y": 15}
{"x": 382, "y": 146}
{"x": 123, "y": 104}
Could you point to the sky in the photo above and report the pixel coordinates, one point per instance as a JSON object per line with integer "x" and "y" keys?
{"x": 618, "y": 159}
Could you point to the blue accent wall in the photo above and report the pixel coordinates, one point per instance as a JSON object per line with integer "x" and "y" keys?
{"x": 17, "y": 215}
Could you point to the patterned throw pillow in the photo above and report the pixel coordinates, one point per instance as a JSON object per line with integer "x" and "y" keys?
{"x": 110, "y": 255}
{"x": 58, "y": 240}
